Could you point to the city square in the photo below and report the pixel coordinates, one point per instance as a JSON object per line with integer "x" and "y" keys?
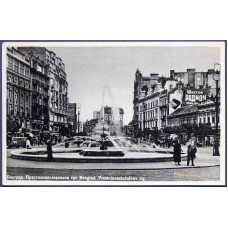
{"x": 63, "y": 122}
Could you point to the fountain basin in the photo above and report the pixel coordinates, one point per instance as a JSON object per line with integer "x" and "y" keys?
{"x": 103, "y": 153}
{"x": 73, "y": 156}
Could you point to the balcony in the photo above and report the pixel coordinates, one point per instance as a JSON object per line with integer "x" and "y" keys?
{"x": 35, "y": 81}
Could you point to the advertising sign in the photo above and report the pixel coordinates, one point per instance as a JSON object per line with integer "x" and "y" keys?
{"x": 175, "y": 100}
{"x": 194, "y": 96}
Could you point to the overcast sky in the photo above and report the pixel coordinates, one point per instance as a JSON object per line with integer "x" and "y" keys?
{"x": 93, "y": 70}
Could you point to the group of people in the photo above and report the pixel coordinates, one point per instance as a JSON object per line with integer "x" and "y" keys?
{"x": 191, "y": 152}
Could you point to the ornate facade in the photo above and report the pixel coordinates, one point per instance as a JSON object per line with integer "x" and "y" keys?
{"x": 58, "y": 86}
{"x": 18, "y": 87}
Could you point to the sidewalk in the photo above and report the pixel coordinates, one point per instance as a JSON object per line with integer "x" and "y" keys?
{"x": 204, "y": 158}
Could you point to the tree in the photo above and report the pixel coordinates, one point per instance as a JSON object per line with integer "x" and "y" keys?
{"x": 205, "y": 129}
{"x": 168, "y": 130}
{"x": 64, "y": 131}
{"x": 13, "y": 125}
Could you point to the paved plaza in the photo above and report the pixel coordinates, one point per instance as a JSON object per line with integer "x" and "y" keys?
{"x": 207, "y": 168}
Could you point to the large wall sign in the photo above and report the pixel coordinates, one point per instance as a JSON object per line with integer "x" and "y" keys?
{"x": 194, "y": 96}
{"x": 175, "y": 100}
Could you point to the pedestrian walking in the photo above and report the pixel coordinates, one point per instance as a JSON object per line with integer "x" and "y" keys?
{"x": 28, "y": 144}
{"x": 66, "y": 144}
{"x": 49, "y": 150}
{"x": 177, "y": 152}
{"x": 191, "y": 152}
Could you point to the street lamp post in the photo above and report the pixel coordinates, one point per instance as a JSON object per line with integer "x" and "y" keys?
{"x": 75, "y": 120}
{"x": 144, "y": 119}
{"x": 216, "y": 77}
{"x": 78, "y": 109}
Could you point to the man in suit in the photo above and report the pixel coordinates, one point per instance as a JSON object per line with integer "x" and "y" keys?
{"x": 191, "y": 152}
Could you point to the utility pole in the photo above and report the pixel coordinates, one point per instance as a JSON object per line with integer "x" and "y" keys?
{"x": 75, "y": 119}
{"x": 78, "y": 109}
{"x": 216, "y": 77}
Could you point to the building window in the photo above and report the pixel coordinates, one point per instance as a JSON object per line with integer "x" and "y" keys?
{"x": 10, "y": 63}
{"x": 156, "y": 113}
{"x": 15, "y": 97}
{"x": 26, "y": 71}
{"x": 26, "y": 84}
{"x": 208, "y": 119}
{"x": 21, "y": 69}
{"x": 213, "y": 119}
{"x": 10, "y": 93}
{"x": 16, "y": 66}
{"x": 16, "y": 80}
{"x": 156, "y": 103}
{"x": 10, "y": 109}
{"x": 9, "y": 78}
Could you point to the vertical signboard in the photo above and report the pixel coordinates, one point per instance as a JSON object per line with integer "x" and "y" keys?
{"x": 175, "y": 100}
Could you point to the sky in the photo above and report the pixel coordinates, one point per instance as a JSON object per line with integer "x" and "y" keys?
{"x": 105, "y": 75}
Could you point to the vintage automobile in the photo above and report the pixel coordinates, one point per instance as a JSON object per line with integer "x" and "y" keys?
{"x": 17, "y": 142}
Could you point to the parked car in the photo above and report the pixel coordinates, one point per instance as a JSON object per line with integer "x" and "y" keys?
{"x": 19, "y": 141}
{"x": 13, "y": 145}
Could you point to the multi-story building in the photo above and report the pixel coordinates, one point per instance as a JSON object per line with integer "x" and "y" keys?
{"x": 18, "y": 87}
{"x": 186, "y": 114}
{"x": 90, "y": 126}
{"x": 206, "y": 113}
{"x": 58, "y": 91}
{"x": 163, "y": 107}
{"x": 72, "y": 118}
{"x": 111, "y": 118}
{"x": 157, "y": 98}
{"x": 40, "y": 94}
{"x": 195, "y": 80}
{"x": 96, "y": 115}
{"x": 143, "y": 86}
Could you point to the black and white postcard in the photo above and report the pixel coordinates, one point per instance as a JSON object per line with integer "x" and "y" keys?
{"x": 114, "y": 113}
